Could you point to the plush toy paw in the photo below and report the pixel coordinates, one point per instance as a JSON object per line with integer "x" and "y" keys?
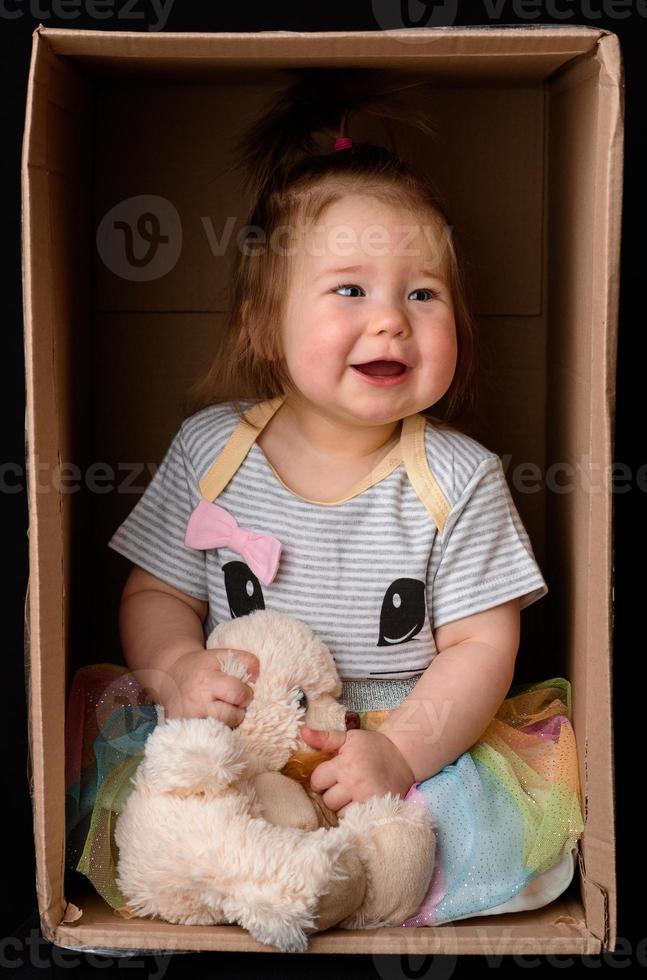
{"x": 191, "y": 757}
{"x": 299, "y": 883}
{"x": 396, "y": 841}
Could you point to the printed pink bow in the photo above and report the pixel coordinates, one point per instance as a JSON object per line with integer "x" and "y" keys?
{"x": 211, "y": 526}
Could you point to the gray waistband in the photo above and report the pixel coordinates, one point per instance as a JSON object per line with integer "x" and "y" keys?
{"x": 367, "y": 694}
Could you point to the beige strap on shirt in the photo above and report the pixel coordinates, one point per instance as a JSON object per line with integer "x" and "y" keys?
{"x": 238, "y": 445}
{"x": 422, "y": 479}
{"x": 410, "y": 450}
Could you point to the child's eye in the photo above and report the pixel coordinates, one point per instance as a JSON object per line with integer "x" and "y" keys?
{"x": 433, "y": 293}
{"x": 345, "y": 285}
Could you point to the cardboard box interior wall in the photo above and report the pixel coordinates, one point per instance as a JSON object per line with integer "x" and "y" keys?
{"x": 528, "y": 159}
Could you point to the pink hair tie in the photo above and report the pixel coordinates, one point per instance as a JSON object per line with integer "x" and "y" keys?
{"x": 342, "y": 143}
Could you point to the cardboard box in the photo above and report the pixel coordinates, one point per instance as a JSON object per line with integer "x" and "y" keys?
{"x": 528, "y": 159}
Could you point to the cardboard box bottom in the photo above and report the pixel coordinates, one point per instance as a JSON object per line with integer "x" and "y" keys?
{"x": 558, "y": 928}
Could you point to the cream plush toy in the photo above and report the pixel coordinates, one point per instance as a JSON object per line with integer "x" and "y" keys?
{"x": 214, "y": 833}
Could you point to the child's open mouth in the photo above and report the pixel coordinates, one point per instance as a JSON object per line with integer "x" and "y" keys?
{"x": 381, "y": 369}
{"x": 383, "y": 374}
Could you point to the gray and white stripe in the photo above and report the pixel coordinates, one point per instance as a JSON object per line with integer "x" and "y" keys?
{"x": 340, "y": 565}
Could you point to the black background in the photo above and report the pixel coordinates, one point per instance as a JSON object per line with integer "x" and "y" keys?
{"x": 19, "y": 919}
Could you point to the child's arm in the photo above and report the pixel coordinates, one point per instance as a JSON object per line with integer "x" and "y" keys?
{"x": 163, "y": 643}
{"x": 460, "y": 692}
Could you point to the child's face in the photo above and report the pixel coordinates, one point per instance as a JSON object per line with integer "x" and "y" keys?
{"x": 396, "y": 310}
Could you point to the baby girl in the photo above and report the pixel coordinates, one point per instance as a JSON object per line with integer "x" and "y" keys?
{"x": 386, "y": 528}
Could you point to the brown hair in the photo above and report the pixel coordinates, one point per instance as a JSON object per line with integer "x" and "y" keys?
{"x": 291, "y": 184}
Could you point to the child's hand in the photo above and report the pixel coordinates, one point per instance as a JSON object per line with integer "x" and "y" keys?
{"x": 196, "y": 687}
{"x": 367, "y": 764}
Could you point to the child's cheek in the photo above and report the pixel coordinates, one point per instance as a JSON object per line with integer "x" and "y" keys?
{"x": 323, "y": 346}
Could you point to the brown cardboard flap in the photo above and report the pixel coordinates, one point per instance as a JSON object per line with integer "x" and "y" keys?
{"x": 529, "y": 55}
{"x": 584, "y": 241}
{"x": 55, "y": 289}
{"x": 599, "y": 839}
{"x": 597, "y": 904}
{"x": 45, "y": 628}
{"x": 565, "y": 41}
{"x": 556, "y": 928}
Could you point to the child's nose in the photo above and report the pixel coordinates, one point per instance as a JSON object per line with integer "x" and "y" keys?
{"x": 391, "y": 320}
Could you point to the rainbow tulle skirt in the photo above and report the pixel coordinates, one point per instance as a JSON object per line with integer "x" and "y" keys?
{"x": 508, "y": 811}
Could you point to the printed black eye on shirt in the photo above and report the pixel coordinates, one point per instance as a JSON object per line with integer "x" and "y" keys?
{"x": 403, "y": 612}
{"x": 244, "y": 591}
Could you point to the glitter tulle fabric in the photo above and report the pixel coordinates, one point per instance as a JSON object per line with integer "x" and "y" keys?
{"x": 506, "y": 811}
